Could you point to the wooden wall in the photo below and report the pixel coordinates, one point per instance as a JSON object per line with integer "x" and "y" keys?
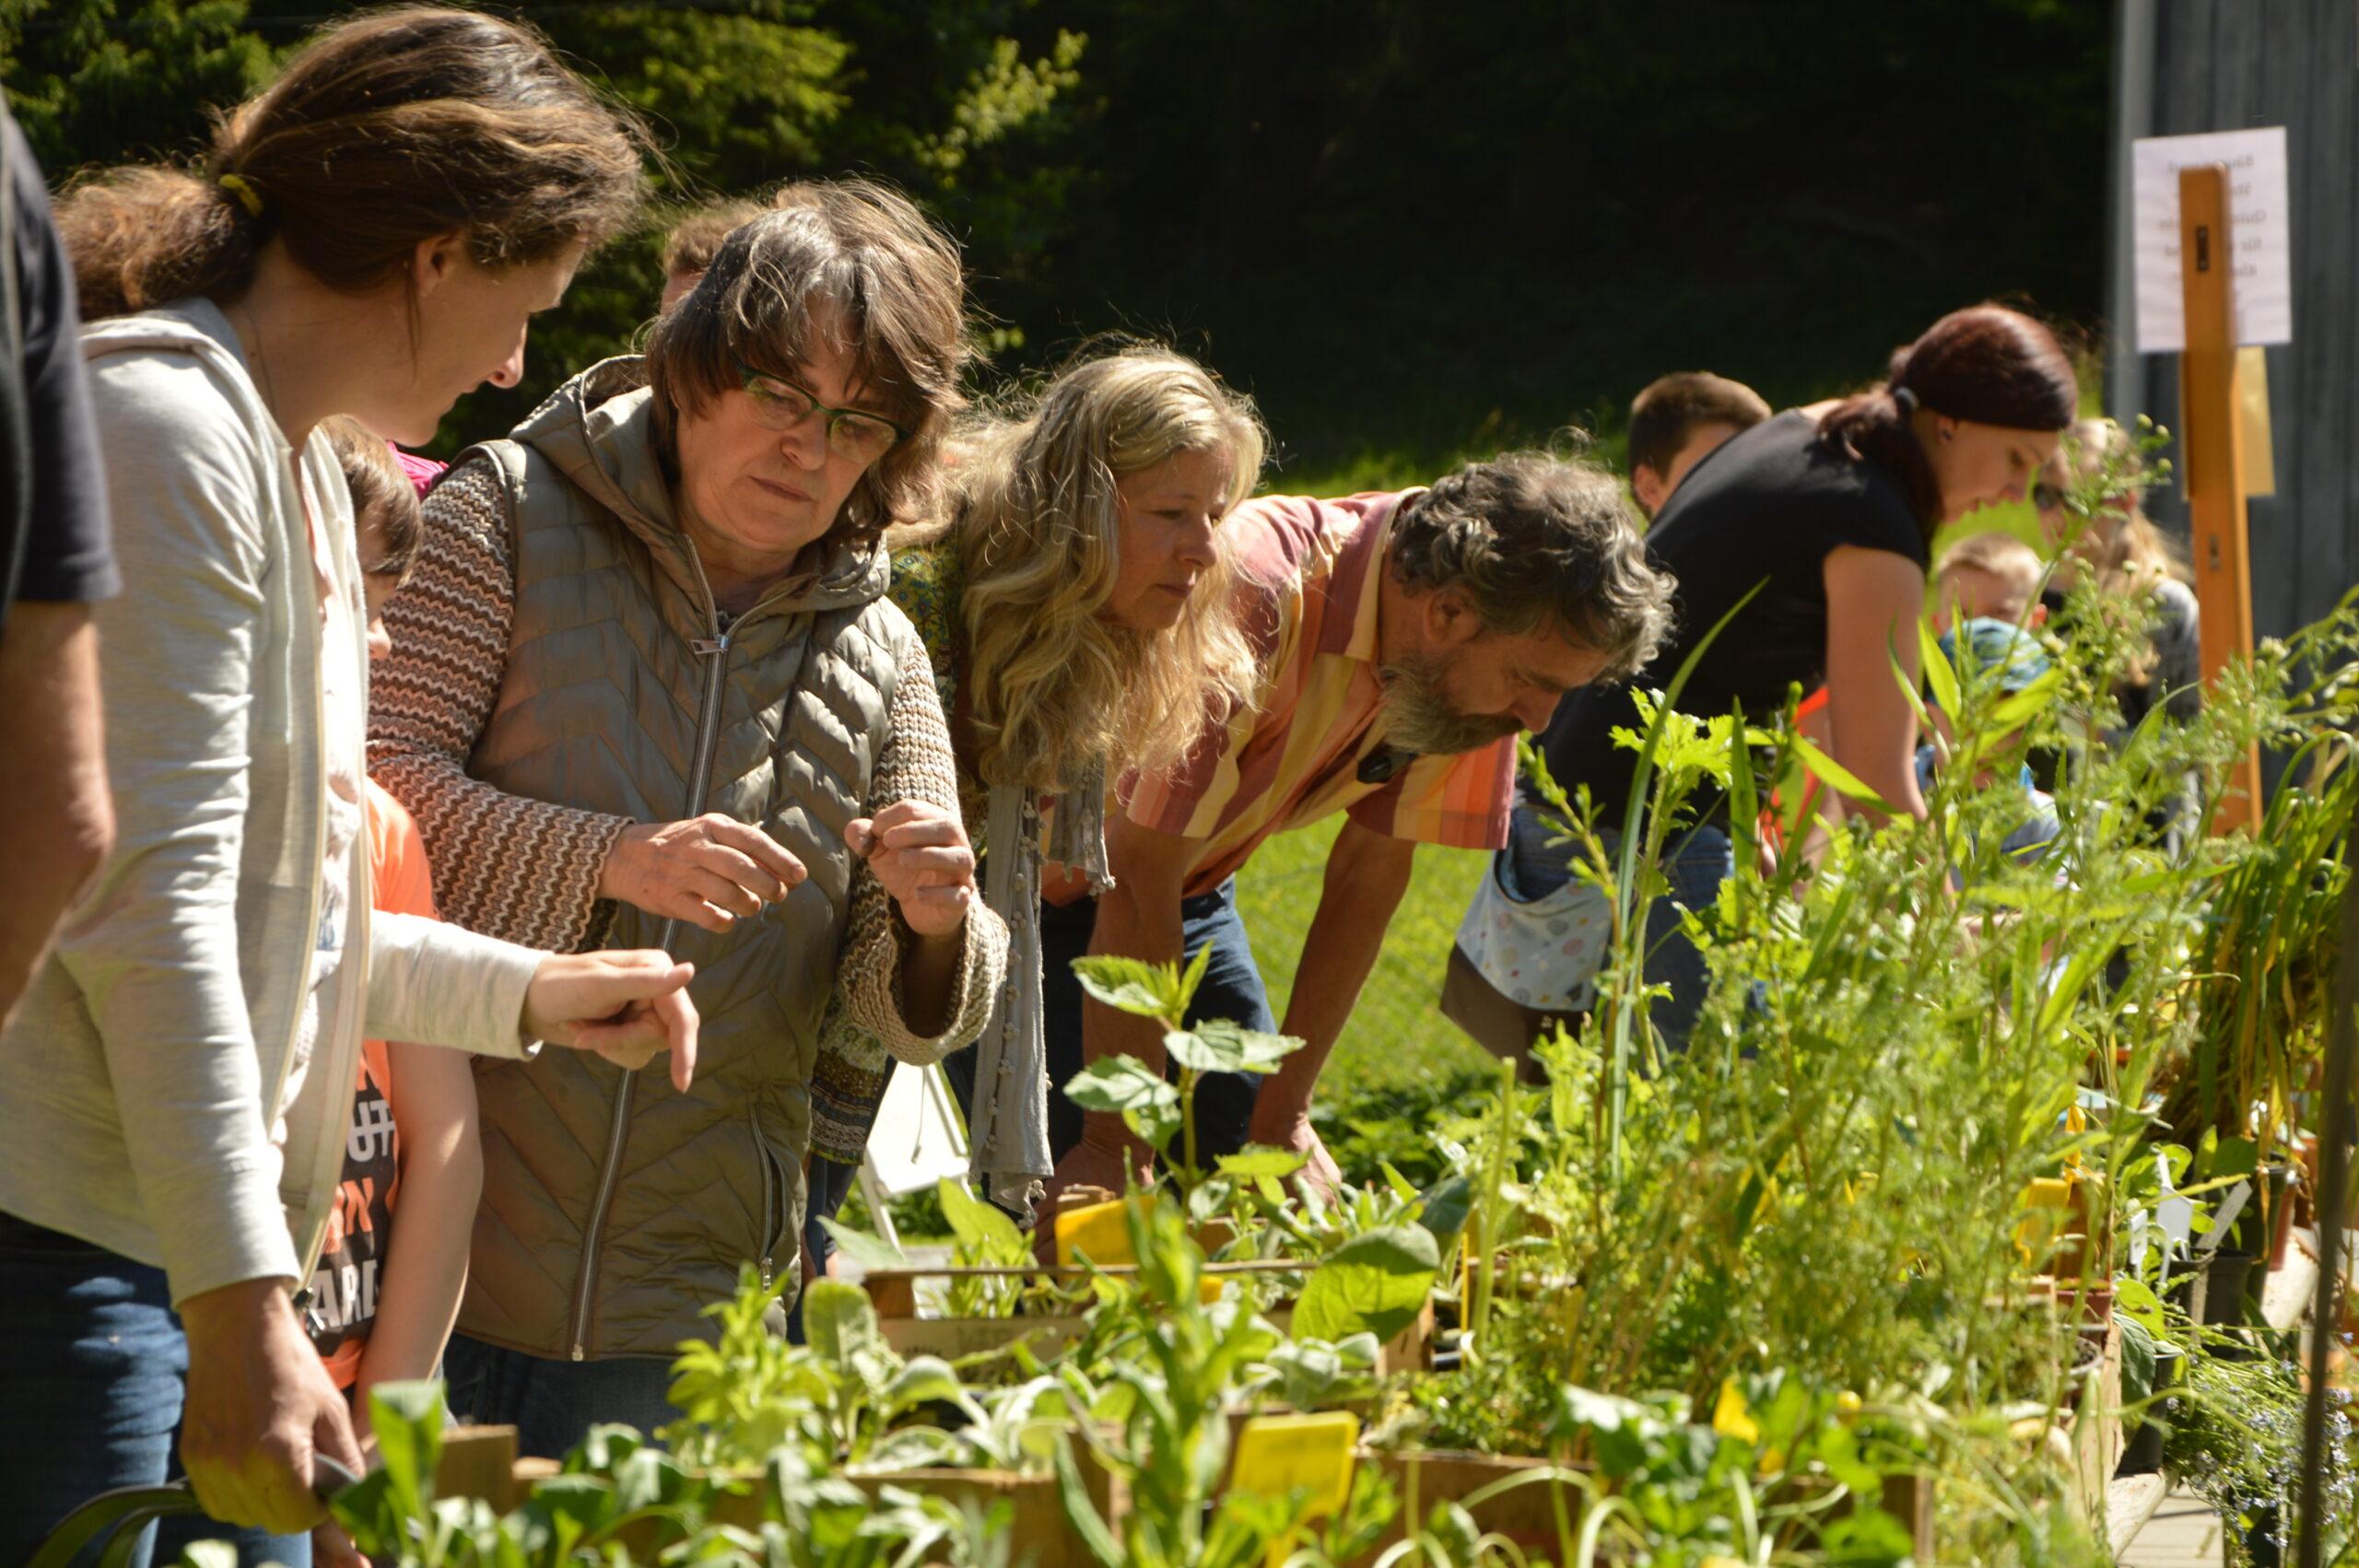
{"x": 2190, "y": 65}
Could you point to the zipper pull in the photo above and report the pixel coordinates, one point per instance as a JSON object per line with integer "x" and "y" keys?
{"x": 709, "y": 645}
{"x": 765, "y": 1271}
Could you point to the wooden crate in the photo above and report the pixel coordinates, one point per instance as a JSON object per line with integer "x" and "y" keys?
{"x": 482, "y": 1462}
{"x": 893, "y": 1293}
{"x": 1525, "y": 1514}
{"x": 2095, "y": 1432}
{"x": 1038, "y": 1531}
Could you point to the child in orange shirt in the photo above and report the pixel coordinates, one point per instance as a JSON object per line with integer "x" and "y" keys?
{"x": 383, "y": 1298}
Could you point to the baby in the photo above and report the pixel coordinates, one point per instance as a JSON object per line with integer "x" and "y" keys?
{"x": 2011, "y": 659}
{"x": 1988, "y": 577}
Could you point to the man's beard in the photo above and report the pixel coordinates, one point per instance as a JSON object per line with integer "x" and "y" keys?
{"x": 1418, "y": 717}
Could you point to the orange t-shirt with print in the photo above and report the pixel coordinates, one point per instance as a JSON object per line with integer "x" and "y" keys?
{"x": 343, "y": 1285}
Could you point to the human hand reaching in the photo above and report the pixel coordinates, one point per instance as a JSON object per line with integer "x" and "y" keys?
{"x": 624, "y": 1007}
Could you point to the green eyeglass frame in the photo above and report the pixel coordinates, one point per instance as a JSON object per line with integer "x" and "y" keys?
{"x": 854, "y": 433}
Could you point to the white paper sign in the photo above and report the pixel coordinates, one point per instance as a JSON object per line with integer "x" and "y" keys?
{"x": 2258, "y": 216}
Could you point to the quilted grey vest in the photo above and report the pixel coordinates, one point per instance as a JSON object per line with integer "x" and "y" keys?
{"x": 613, "y": 1208}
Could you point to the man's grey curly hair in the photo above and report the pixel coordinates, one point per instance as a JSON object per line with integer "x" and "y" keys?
{"x": 1538, "y": 541}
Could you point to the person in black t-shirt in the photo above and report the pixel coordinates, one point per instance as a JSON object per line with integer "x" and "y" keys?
{"x": 1676, "y": 422}
{"x": 54, "y": 561}
{"x": 1829, "y": 514}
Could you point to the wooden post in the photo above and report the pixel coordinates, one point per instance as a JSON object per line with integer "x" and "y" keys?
{"x": 2211, "y": 443}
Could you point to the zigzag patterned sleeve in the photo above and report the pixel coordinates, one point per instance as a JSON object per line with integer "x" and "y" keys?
{"x": 523, "y": 869}
{"x": 917, "y": 764}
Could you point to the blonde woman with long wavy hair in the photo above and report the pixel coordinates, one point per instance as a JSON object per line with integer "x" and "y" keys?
{"x": 2142, "y": 574}
{"x": 1077, "y": 601}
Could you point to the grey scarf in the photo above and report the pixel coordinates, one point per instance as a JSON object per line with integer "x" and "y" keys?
{"x": 1008, "y": 1136}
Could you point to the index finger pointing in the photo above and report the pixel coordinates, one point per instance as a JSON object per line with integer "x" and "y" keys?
{"x": 678, "y": 1016}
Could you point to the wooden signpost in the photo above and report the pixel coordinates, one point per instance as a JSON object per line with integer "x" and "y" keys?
{"x": 2212, "y": 445}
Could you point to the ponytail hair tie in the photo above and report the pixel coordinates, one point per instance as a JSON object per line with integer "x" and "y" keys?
{"x": 248, "y": 197}
{"x": 1906, "y": 398}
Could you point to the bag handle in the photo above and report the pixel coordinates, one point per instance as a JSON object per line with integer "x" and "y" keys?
{"x": 120, "y": 1516}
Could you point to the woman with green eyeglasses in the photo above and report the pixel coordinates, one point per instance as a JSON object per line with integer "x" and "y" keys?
{"x": 647, "y": 691}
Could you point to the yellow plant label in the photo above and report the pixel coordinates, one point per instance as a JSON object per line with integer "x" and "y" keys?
{"x": 1731, "y": 1416}
{"x": 1277, "y": 1453}
{"x": 2047, "y": 1205}
{"x": 1102, "y": 1230}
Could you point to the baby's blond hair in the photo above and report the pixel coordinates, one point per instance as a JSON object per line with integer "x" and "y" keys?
{"x": 2006, "y": 560}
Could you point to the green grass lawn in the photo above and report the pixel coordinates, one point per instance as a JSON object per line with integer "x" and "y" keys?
{"x": 1397, "y": 1040}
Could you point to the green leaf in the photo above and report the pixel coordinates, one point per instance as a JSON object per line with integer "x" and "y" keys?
{"x": 1189, "y": 980}
{"x": 1156, "y": 1125}
{"x": 2137, "y": 1357}
{"x": 1082, "y": 1513}
{"x": 2136, "y": 1301}
{"x": 924, "y": 1379}
{"x": 1940, "y": 674}
{"x": 985, "y": 1227}
{"x": 1909, "y": 689}
{"x": 1443, "y": 1210}
{"x": 1256, "y": 1163}
{"x": 1195, "y": 1053}
{"x": 371, "y": 1514}
{"x": 407, "y": 1417}
{"x": 1744, "y": 811}
{"x": 2018, "y": 708}
{"x": 1120, "y": 1083}
{"x": 1869, "y": 1538}
{"x": 1374, "y": 1283}
{"x": 1619, "y": 1430}
{"x": 2233, "y": 1157}
{"x": 1218, "y": 1045}
{"x": 1132, "y": 986}
{"x": 868, "y": 1251}
{"x": 839, "y": 1322}
{"x": 1836, "y": 776}
{"x": 1461, "y": 1538}
{"x": 572, "y": 1506}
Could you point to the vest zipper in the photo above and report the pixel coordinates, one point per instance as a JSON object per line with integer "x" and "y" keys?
{"x": 773, "y": 1199}
{"x": 715, "y": 649}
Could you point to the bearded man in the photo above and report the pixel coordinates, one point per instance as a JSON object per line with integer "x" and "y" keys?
{"x": 1404, "y": 639}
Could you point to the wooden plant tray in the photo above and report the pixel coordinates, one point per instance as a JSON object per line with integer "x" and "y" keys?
{"x": 482, "y": 1462}
{"x": 893, "y": 1292}
{"x": 1038, "y": 1531}
{"x": 1525, "y": 1515}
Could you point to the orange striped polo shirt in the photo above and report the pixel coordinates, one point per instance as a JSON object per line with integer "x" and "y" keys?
{"x": 1309, "y": 573}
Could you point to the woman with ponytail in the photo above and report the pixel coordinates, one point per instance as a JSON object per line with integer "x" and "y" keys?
{"x": 366, "y": 238}
{"x": 1826, "y": 516}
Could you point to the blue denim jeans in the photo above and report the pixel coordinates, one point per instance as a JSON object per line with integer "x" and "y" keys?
{"x": 553, "y": 1404}
{"x": 94, "y": 1364}
{"x": 1231, "y": 989}
{"x": 825, "y": 1185}
{"x": 1695, "y": 866}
